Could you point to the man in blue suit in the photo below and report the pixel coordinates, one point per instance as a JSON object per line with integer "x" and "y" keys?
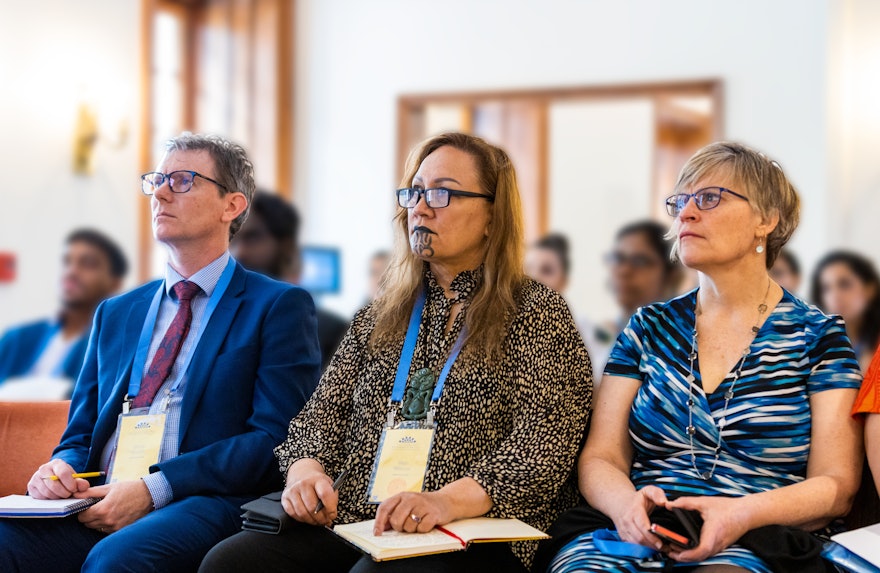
{"x": 226, "y": 355}
{"x": 92, "y": 268}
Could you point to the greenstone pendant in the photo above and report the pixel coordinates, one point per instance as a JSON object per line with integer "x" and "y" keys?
{"x": 417, "y": 398}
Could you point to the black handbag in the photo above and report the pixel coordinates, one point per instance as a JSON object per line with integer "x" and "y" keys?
{"x": 265, "y": 515}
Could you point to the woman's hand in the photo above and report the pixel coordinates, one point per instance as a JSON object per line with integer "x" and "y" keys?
{"x": 307, "y": 484}
{"x": 421, "y": 512}
{"x": 724, "y": 522}
{"x": 633, "y": 524}
{"x": 413, "y": 512}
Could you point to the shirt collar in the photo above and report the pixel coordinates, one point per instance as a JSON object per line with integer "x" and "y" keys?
{"x": 207, "y": 277}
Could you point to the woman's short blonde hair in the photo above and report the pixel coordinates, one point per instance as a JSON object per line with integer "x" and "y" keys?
{"x": 494, "y": 301}
{"x": 759, "y": 177}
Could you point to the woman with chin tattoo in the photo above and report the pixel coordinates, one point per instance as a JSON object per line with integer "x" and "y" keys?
{"x": 460, "y": 347}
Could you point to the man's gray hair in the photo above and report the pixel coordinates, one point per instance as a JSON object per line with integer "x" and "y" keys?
{"x": 232, "y": 167}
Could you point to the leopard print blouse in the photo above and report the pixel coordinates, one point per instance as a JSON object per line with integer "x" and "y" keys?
{"x": 514, "y": 426}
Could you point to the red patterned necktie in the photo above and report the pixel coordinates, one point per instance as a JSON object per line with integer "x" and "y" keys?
{"x": 169, "y": 348}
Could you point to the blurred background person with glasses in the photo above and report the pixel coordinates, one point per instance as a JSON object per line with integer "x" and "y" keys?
{"x": 500, "y": 349}
{"x": 641, "y": 272}
{"x": 731, "y": 402}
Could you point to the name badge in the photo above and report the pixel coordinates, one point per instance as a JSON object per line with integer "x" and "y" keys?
{"x": 401, "y": 462}
{"x": 138, "y": 446}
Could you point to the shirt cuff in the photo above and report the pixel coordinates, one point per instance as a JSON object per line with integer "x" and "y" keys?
{"x": 160, "y": 489}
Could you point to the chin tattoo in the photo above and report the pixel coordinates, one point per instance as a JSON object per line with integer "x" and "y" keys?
{"x": 421, "y": 243}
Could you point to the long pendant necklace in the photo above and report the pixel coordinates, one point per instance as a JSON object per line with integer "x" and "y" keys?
{"x": 728, "y": 395}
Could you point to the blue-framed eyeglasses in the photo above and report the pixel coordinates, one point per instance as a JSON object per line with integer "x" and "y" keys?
{"x": 436, "y": 198}
{"x": 178, "y": 181}
{"x": 705, "y": 199}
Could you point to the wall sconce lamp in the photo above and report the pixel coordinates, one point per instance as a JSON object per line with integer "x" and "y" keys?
{"x": 86, "y": 137}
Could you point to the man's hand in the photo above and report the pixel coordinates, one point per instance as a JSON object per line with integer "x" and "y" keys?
{"x": 124, "y": 503}
{"x": 66, "y": 485}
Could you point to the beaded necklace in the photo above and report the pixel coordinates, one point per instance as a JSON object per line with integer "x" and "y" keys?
{"x": 691, "y": 429}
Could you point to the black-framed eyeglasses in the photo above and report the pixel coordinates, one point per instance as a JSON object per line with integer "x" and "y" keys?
{"x": 705, "y": 199}
{"x": 178, "y": 181}
{"x": 636, "y": 261}
{"x": 436, "y": 198}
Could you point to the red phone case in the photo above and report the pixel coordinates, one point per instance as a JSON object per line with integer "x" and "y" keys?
{"x": 669, "y": 535}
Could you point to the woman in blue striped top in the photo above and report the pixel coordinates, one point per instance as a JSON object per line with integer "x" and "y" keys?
{"x": 731, "y": 401}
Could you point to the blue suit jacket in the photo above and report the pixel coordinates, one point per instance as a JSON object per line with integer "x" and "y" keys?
{"x": 20, "y": 348}
{"x": 252, "y": 371}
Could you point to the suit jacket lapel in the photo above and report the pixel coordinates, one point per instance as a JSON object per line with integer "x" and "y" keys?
{"x": 208, "y": 347}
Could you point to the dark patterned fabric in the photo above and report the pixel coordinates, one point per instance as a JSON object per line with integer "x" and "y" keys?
{"x": 514, "y": 426}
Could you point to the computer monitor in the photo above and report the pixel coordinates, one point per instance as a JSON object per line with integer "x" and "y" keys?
{"x": 321, "y": 271}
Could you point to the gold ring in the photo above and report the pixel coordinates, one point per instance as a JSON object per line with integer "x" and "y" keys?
{"x": 415, "y": 518}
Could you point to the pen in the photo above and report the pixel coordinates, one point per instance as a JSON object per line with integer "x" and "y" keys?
{"x": 336, "y": 485}
{"x": 82, "y": 475}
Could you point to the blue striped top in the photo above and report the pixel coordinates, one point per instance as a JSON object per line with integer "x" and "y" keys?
{"x": 766, "y": 439}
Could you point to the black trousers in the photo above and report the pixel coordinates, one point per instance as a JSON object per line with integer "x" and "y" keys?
{"x": 307, "y": 549}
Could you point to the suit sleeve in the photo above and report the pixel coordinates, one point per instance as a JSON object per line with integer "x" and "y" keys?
{"x": 286, "y": 372}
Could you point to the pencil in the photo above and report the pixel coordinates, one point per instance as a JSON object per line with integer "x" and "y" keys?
{"x": 82, "y": 475}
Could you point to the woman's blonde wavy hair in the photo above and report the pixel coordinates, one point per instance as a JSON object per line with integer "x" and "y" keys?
{"x": 495, "y": 300}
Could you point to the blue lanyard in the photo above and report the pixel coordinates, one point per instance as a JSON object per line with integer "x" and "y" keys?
{"x": 409, "y": 348}
{"x": 143, "y": 348}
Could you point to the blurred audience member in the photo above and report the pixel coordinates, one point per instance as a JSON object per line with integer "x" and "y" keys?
{"x": 786, "y": 271}
{"x": 268, "y": 243}
{"x": 641, "y": 273}
{"x": 846, "y": 283}
{"x": 378, "y": 263}
{"x": 93, "y": 267}
{"x": 547, "y": 261}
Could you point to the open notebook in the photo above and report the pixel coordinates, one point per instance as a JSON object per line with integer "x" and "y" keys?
{"x": 864, "y": 542}
{"x": 453, "y": 536}
{"x": 26, "y": 506}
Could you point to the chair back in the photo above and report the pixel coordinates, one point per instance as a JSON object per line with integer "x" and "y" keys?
{"x": 29, "y": 431}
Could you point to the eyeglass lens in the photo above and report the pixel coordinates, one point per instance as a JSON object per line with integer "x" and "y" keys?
{"x": 616, "y": 258}
{"x": 435, "y": 198}
{"x": 704, "y": 198}
{"x": 180, "y": 181}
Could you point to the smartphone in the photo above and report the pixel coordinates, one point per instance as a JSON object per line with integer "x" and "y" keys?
{"x": 688, "y": 535}
{"x": 670, "y": 536}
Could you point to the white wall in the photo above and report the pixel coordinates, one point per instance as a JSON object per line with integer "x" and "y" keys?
{"x": 854, "y": 127}
{"x": 355, "y": 58}
{"x": 607, "y": 179}
{"x": 42, "y": 85}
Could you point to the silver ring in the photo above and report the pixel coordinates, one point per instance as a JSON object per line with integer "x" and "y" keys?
{"x": 101, "y": 529}
{"x": 415, "y": 518}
